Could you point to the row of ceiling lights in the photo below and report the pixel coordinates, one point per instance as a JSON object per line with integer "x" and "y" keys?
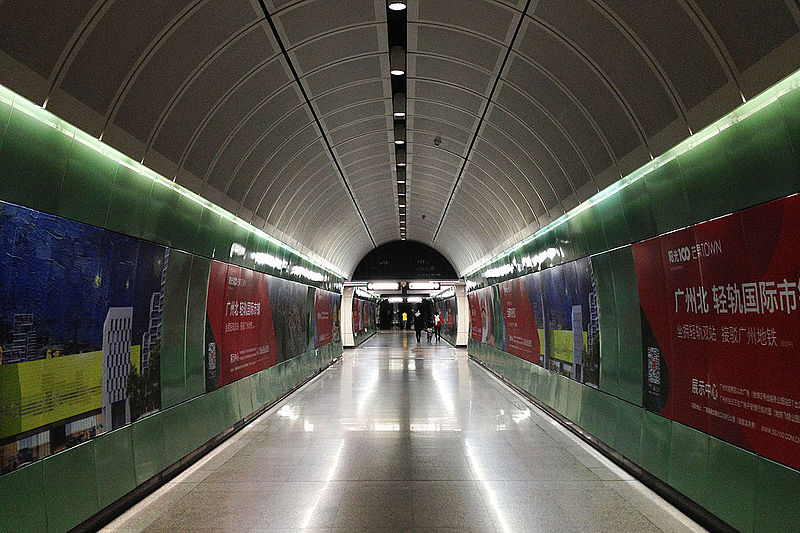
{"x": 396, "y": 18}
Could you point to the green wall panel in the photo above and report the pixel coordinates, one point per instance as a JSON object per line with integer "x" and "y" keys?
{"x": 777, "y": 501}
{"x": 593, "y": 232}
{"x": 729, "y": 466}
{"x": 148, "y": 447}
{"x": 127, "y": 211}
{"x": 86, "y": 188}
{"x": 612, "y": 219}
{"x": 178, "y": 437}
{"x": 5, "y": 114}
{"x": 655, "y": 444}
{"x": 207, "y": 230}
{"x": 629, "y": 326}
{"x": 196, "y": 326}
{"x": 790, "y": 109}
{"x": 21, "y": 505}
{"x": 638, "y": 210}
{"x": 114, "y": 466}
{"x": 185, "y": 233}
{"x": 173, "y": 339}
{"x": 688, "y": 462}
{"x": 70, "y": 487}
{"x": 629, "y": 430}
{"x": 162, "y": 218}
{"x": 707, "y": 179}
{"x": 762, "y": 164}
{"x": 668, "y": 196}
{"x": 32, "y": 162}
{"x": 609, "y": 342}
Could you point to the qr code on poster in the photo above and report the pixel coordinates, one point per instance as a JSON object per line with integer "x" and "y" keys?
{"x": 654, "y": 366}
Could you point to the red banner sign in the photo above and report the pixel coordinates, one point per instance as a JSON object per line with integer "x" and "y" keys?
{"x": 521, "y": 335}
{"x": 322, "y": 310}
{"x": 721, "y": 327}
{"x": 241, "y": 322}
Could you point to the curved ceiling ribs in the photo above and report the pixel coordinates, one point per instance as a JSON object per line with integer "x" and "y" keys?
{"x": 281, "y": 110}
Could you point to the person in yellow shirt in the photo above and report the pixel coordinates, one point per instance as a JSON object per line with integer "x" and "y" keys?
{"x": 405, "y": 320}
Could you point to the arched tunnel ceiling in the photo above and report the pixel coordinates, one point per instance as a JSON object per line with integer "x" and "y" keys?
{"x": 281, "y": 111}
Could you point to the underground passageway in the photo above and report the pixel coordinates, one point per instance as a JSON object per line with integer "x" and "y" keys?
{"x": 204, "y": 204}
{"x": 404, "y": 437}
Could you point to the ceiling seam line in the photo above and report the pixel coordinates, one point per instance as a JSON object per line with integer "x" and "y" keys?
{"x": 483, "y": 117}
{"x": 75, "y": 45}
{"x": 316, "y": 118}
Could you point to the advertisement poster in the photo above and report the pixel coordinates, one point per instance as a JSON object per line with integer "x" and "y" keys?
{"x": 721, "y": 327}
{"x": 336, "y": 316}
{"x": 571, "y": 319}
{"x": 487, "y": 317}
{"x": 240, "y": 339}
{"x": 293, "y": 316}
{"x": 356, "y": 315}
{"x": 549, "y": 318}
{"x": 521, "y": 335}
{"x": 80, "y": 332}
{"x": 322, "y": 310}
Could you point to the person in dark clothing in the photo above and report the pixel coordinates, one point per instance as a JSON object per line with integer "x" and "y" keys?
{"x": 419, "y": 324}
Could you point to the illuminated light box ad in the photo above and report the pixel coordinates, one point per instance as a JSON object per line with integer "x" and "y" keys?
{"x": 240, "y": 338}
{"x": 549, "y": 318}
{"x": 721, "y": 327}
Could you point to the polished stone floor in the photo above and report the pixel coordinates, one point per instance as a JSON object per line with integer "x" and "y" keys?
{"x": 404, "y": 437}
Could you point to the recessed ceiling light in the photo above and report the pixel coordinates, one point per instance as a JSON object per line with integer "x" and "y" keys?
{"x": 399, "y": 114}
{"x": 397, "y": 6}
{"x": 401, "y": 164}
{"x": 399, "y": 141}
{"x": 397, "y": 72}
{"x": 402, "y": 205}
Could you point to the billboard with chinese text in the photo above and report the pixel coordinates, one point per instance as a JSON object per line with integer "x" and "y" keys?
{"x": 721, "y": 327}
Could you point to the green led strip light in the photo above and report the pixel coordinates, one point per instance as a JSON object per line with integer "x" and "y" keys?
{"x": 757, "y": 103}
{"x": 20, "y": 103}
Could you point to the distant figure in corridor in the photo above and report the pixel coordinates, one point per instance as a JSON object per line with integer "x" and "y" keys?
{"x": 405, "y": 321}
{"x": 437, "y": 326}
{"x": 419, "y": 324}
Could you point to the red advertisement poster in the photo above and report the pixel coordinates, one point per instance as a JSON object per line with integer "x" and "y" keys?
{"x": 475, "y": 327}
{"x": 522, "y": 336}
{"x": 242, "y": 339}
{"x": 356, "y": 315}
{"x": 322, "y": 309}
{"x": 721, "y": 327}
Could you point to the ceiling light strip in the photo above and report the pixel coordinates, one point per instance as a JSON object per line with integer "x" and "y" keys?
{"x": 483, "y": 117}
{"x": 314, "y": 114}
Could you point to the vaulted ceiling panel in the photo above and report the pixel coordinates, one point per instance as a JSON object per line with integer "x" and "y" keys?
{"x": 243, "y": 100}
{"x": 595, "y": 33}
{"x": 198, "y": 99}
{"x": 32, "y": 34}
{"x": 281, "y": 110}
{"x": 247, "y": 134}
{"x": 680, "y": 59}
{"x": 195, "y": 40}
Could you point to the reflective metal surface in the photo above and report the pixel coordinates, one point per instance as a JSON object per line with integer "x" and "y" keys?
{"x": 404, "y": 436}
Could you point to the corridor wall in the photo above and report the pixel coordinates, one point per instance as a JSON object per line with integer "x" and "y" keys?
{"x": 114, "y": 275}
{"x": 746, "y": 166}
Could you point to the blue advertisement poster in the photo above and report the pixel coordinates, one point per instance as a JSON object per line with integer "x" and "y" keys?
{"x": 80, "y": 332}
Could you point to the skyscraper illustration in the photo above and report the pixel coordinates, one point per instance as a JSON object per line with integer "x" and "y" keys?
{"x": 117, "y": 330}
